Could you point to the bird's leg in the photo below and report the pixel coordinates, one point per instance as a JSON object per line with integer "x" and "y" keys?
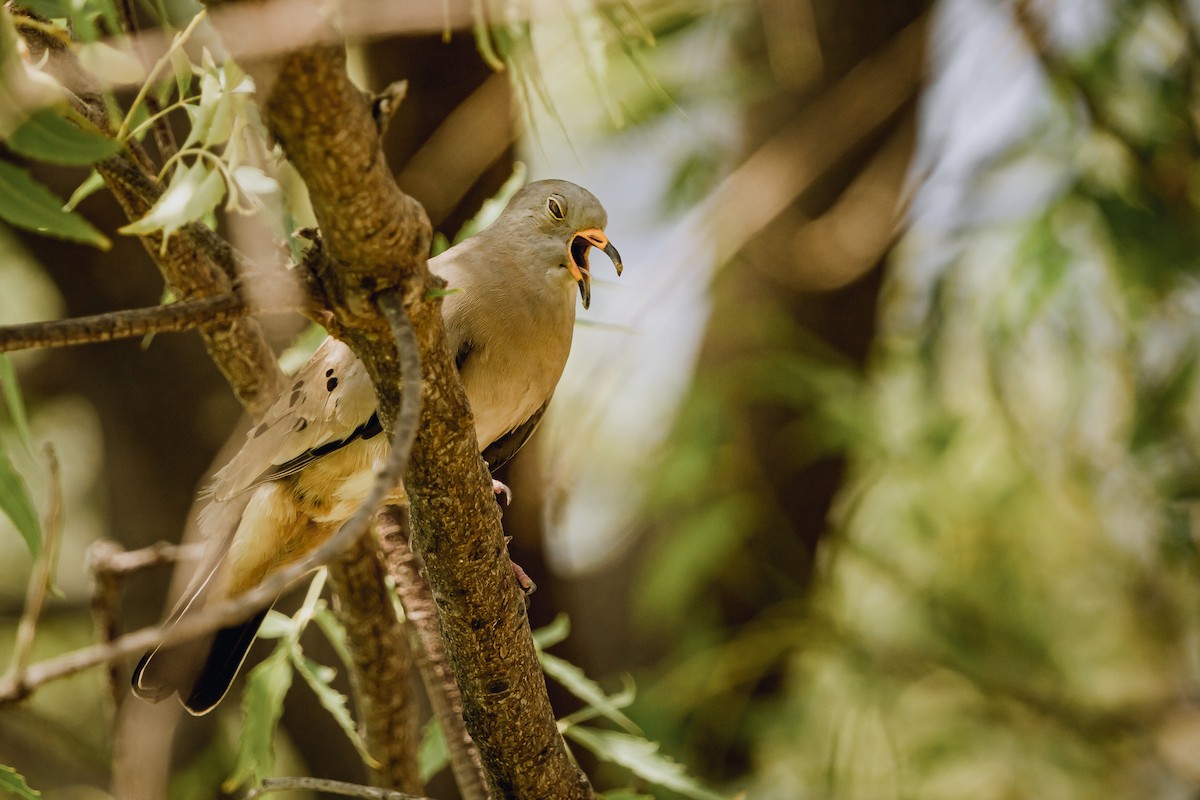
{"x": 498, "y": 489}
{"x": 523, "y": 580}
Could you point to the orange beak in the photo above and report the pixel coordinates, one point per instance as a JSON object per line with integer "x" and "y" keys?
{"x": 581, "y": 244}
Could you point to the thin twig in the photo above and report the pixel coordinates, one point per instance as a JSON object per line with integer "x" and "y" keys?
{"x": 39, "y": 582}
{"x": 164, "y": 137}
{"x": 106, "y": 608}
{"x": 330, "y": 787}
{"x": 131, "y": 323}
{"x": 106, "y": 557}
{"x": 17, "y": 687}
{"x": 445, "y": 699}
{"x": 109, "y": 562}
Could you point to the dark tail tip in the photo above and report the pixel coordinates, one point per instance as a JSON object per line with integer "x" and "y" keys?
{"x": 229, "y": 648}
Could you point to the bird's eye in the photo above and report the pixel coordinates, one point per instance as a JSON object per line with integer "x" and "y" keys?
{"x": 556, "y": 206}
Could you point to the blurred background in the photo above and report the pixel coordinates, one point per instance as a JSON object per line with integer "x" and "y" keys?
{"x": 877, "y": 468}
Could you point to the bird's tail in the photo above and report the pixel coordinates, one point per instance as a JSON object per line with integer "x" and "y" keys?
{"x": 200, "y": 669}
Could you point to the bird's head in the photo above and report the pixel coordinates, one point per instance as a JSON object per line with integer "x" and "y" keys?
{"x": 572, "y": 222}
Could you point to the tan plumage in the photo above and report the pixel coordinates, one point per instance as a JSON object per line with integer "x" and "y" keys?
{"x": 311, "y": 461}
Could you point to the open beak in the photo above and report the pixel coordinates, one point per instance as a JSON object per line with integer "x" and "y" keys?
{"x": 581, "y": 243}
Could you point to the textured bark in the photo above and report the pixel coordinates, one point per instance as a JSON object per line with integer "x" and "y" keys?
{"x": 382, "y": 662}
{"x": 376, "y": 241}
{"x": 420, "y": 611}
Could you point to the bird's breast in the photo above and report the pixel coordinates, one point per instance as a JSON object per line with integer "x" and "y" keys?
{"x": 513, "y": 368}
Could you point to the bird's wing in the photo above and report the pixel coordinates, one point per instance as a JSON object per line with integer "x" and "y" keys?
{"x": 329, "y": 404}
{"x": 501, "y": 451}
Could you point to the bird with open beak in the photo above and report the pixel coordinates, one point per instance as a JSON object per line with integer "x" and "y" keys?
{"x": 310, "y": 463}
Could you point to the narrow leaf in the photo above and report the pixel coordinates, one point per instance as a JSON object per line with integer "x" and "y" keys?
{"x": 334, "y": 632}
{"x": 432, "y": 754}
{"x": 318, "y": 678}
{"x": 91, "y": 184}
{"x": 14, "y": 402}
{"x": 193, "y": 192}
{"x": 48, "y": 137}
{"x": 276, "y": 626}
{"x": 28, "y": 204}
{"x": 262, "y": 705}
{"x": 181, "y": 68}
{"x": 587, "y": 690}
{"x": 552, "y": 634}
{"x": 641, "y": 757}
{"x": 13, "y": 783}
{"x": 17, "y": 504}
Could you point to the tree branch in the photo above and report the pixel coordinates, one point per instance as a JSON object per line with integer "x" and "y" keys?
{"x": 377, "y": 237}
{"x": 445, "y": 700}
{"x": 180, "y": 316}
{"x": 187, "y": 263}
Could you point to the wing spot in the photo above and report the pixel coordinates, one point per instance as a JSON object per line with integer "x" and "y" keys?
{"x": 300, "y": 425}
{"x": 295, "y": 398}
{"x": 328, "y": 373}
{"x": 331, "y": 384}
{"x": 260, "y": 430}
{"x": 298, "y": 386}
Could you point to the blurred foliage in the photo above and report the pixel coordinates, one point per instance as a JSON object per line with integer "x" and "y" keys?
{"x": 1005, "y": 603}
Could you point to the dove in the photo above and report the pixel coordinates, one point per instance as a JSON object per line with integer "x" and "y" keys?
{"x": 312, "y": 459}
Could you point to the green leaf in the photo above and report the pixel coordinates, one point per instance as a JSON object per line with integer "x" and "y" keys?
{"x": 11, "y": 782}
{"x": 318, "y": 678}
{"x": 552, "y": 634}
{"x": 48, "y": 137}
{"x": 641, "y": 757}
{"x": 181, "y": 68}
{"x": 91, "y": 184}
{"x": 262, "y": 706}
{"x": 334, "y": 632}
{"x": 625, "y": 794}
{"x": 193, "y": 192}
{"x": 17, "y": 504}
{"x": 28, "y": 204}
{"x": 13, "y": 401}
{"x": 440, "y": 244}
{"x": 432, "y": 754}
{"x": 587, "y": 690}
{"x": 276, "y": 626}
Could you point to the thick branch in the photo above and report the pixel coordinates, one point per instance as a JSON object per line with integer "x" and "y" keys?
{"x": 445, "y": 700}
{"x": 182, "y": 316}
{"x": 378, "y": 237}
